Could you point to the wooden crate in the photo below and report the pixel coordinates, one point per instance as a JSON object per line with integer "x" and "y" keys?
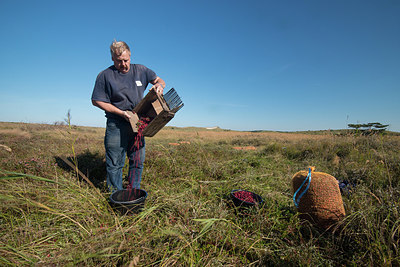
{"x": 154, "y": 107}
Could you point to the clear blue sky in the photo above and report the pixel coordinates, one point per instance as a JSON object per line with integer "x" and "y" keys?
{"x": 240, "y": 65}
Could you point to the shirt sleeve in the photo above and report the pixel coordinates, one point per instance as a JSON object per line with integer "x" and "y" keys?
{"x": 147, "y": 74}
{"x": 99, "y": 91}
{"x": 151, "y": 75}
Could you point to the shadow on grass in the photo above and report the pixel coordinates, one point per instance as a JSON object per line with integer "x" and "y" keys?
{"x": 92, "y": 165}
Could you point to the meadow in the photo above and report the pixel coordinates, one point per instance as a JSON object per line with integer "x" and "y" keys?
{"x": 50, "y": 215}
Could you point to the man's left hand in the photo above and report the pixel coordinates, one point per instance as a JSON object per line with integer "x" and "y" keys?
{"x": 158, "y": 85}
{"x": 158, "y": 88}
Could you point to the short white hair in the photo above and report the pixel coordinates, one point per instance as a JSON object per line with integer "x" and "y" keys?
{"x": 118, "y": 47}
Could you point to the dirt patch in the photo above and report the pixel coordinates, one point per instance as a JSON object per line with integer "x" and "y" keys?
{"x": 174, "y": 144}
{"x": 244, "y": 147}
{"x": 17, "y": 132}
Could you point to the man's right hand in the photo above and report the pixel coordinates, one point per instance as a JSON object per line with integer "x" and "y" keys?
{"x": 111, "y": 108}
{"x": 126, "y": 116}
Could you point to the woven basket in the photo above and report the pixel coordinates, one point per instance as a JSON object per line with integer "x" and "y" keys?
{"x": 322, "y": 204}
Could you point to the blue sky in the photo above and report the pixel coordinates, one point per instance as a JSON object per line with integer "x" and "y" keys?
{"x": 240, "y": 65}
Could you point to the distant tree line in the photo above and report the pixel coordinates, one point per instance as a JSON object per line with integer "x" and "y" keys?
{"x": 369, "y": 128}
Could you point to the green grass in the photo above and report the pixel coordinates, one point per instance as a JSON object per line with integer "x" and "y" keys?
{"x": 49, "y": 216}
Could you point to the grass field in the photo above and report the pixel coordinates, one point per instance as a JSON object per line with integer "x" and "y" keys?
{"x": 51, "y": 216}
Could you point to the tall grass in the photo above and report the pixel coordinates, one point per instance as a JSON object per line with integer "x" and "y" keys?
{"x": 49, "y": 216}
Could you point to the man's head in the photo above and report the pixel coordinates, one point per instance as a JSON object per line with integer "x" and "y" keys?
{"x": 121, "y": 55}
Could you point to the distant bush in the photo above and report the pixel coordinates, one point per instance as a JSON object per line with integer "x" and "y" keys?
{"x": 369, "y": 128}
{"x": 59, "y": 123}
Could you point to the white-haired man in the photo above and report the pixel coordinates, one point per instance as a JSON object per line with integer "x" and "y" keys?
{"x": 120, "y": 88}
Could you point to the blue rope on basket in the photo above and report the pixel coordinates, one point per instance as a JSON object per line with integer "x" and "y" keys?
{"x": 308, "y": 178}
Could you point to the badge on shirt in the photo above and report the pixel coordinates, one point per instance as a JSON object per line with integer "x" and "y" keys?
{"x": 138, "y": 83}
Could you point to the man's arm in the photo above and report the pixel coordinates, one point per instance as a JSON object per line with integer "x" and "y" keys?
{"x": 111, "y": 109}
{"x": 158, "y": 85}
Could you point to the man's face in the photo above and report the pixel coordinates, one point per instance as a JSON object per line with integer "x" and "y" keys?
{"x": 122, "y": 62}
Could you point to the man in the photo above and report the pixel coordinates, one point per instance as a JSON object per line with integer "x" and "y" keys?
{"x": 117, "y": 89}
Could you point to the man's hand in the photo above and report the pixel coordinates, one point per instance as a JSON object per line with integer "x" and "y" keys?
{"x": 158, "y": 85}
{"x": 112, "y": 109}
{"x": 158, "y": 88}
{"x": 126, "y": 116}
